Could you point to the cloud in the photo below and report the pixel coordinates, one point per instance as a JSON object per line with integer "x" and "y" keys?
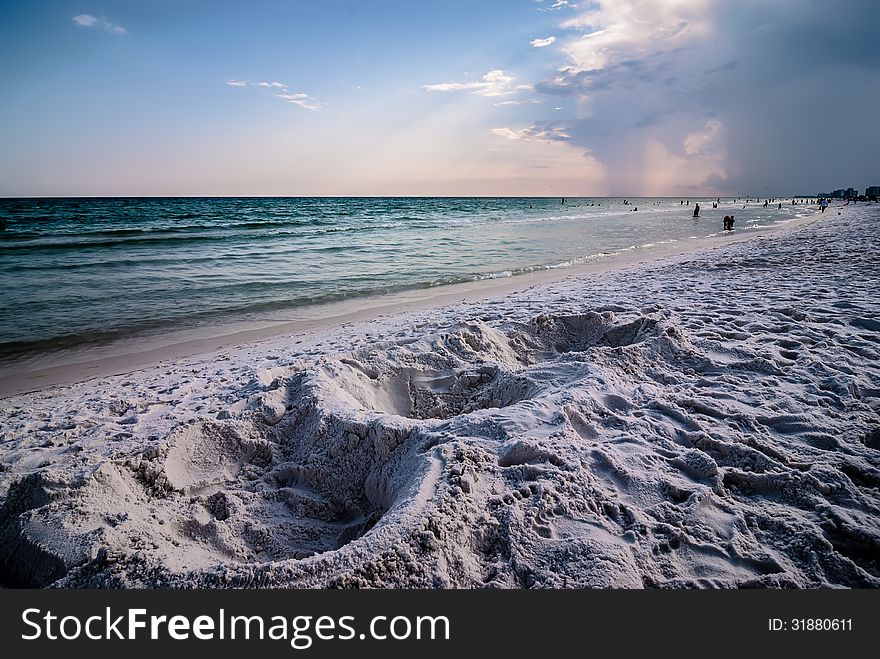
{"x": 542, "y": 43}
{"x": 520, "y": 101}
{"x": 557, "y": 5}
{"x": 543, "y": 131}
{"x": 632, "y": 66}
{"x": 302, "y": 100}
{"x": 507, "y": 133}
{"x": 299, "y": 99}
{"x": 633, "y": 30}
{"x": 702, "y": 142}
{"x": 87, "y": 20}
{"x": 494, "y": 83}
{"x": 719, "y": 96}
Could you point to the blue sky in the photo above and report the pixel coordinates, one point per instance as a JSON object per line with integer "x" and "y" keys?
{"x": 493, "y": 97}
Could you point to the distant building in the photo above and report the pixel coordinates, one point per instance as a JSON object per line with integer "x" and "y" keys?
{"x": 837, "y": 194}
{"x": 873, "y": 191}
{"x": 849, "y": 193}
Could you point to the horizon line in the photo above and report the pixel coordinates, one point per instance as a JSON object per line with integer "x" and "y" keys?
{"x": 344, "y": 196}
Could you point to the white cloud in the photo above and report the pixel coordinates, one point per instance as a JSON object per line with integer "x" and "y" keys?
{"x": 494, "y": 83}
{"x": 506, "y": 133}
{"x": 300, "y": 99}
{"x": 87, "y": 20}
{"x": 623, "y": 30}
{"x": 536, "y": 132}
{"x": 542, "y": 43}
{"x": 559, "y": 4}
{"x": 520, "y": 101}
{"x": 703, "y": 142}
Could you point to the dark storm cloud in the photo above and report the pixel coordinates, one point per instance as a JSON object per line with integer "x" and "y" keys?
{"x": 795, "y": 84}
{"x": 800, "y": 111}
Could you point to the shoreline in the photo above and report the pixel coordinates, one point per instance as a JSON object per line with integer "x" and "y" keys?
{"x": 69, "y": 367}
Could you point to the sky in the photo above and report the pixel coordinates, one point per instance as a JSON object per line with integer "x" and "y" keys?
{"x": 451, "y": 98}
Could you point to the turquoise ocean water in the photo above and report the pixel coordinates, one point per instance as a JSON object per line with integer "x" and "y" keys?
{"x": 85, "y": 271}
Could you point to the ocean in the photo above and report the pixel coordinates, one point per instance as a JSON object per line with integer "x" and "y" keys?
{"x": 81, "y": 272}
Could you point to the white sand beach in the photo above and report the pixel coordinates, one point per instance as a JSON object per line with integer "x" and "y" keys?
{"x": 709, "y": 419}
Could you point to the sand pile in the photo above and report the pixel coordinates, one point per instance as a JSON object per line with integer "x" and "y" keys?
{"x": 707, "y": 421}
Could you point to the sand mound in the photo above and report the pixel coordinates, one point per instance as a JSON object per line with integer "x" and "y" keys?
{"x": 427, "y": 394}
{"x": 233, "y": 492}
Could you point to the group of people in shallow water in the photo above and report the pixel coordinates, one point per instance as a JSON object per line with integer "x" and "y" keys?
{"x": 729, "y": 219}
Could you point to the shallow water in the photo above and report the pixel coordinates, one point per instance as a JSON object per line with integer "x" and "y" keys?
{"x": 77, "y": 272}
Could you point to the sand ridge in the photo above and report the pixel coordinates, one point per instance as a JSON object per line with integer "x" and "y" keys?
{"x": 706, "y": 421}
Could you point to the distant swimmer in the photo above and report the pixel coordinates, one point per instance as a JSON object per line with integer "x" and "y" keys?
{"x": 779, "y": 207}
{"x": 697, "y": 210}
{"x": 765, "y": 204}
{"x": 728, "y": 222}
{"x": 563, "y": 200}
{"x": 636, "y": 208}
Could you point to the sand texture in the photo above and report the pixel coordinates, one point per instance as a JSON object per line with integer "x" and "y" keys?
{"x": 710, "y": 420}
